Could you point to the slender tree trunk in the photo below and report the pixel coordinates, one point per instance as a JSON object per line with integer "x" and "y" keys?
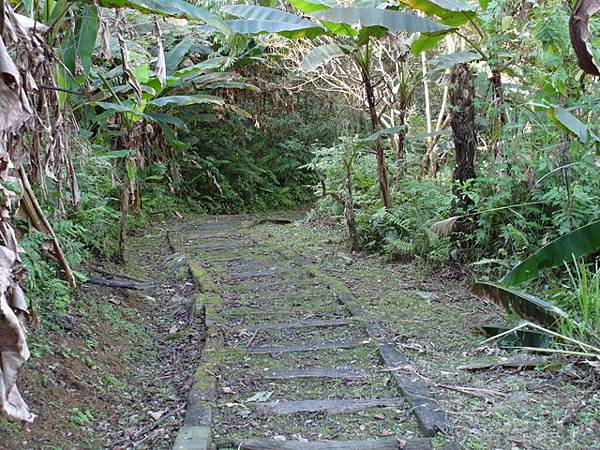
{"x": 381, "y": 164}
{"x": 349, "y": 210}
{"x": 400, "y": 150}
{"x": 463, "y": 129}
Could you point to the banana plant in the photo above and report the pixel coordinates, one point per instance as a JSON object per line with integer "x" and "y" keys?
{"x": 351, "y": 32}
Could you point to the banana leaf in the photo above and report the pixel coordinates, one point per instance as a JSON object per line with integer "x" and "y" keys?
{"x": 519, "y": 338}
{"x": 187, "y": 100}
{"x": 175, "y": 8}
{"x": 576, "y": 244}
{"x": 319, "y": 56}
{"x": 451, "y": 12}
{"x": 389, "y": 19}
{"x": 525, "y": 305}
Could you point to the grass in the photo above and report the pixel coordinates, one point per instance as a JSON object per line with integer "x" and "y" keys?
{"x": 584, "y": 303}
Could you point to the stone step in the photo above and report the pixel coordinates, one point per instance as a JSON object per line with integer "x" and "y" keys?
{"x": 317, "y": 323}
{"x": 267, "y": 349}
{"x": 370, "y": 444}
{"x": 330, "y": 407}
{"x": 344, "y": 374}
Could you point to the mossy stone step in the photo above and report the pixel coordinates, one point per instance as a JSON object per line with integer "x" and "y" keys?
{"x": 330, "y": 407}
{"x": 370, "y": 444}
{"x": 343, "y": 374}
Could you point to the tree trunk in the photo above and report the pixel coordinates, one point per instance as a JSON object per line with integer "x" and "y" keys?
{"x": 381, "y": 164}
{"x": 400, "y": 150}
{"x": 349, "y": 210}
{"x": 463, "y": 130}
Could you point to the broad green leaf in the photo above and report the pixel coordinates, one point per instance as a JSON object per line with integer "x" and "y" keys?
{"x": 518, "y": 338}
{"x": 578, "y": 243}
{"x": 319, "y": 56}
{"x": 525, "y": 305}
{"x": 175, "y": 8}
{"x": 118, "y": 107}
{"x": 200, "y": 68}
{"x": 116, "y": 154}
{"x": 427, "y": 41}
{"x": 385, "y": 132}
{"x": 310, "y": 6}
{"x": 564, "y": 119}
{"x": 174, "y": 57}
{"x": 83, "y": 43}
{"x": 444, "y": 62}
{"x": 167, "y": 118}
{"x": 232, "y": 85}
{"x": 569, "y": 122}
{"x": 187, "y": 100}
{"x": 370, "y": 17}
{"x": 451, "y": 12}
{"x": 259, "y": 19}
{"x": 261, "y": 396}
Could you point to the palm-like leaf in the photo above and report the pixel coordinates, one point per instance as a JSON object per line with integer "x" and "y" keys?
{"x": 385, "y": 18}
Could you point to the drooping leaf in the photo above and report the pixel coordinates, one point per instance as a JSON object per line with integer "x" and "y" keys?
{"x": 319, "y": 56}
{"x": 385, "y": 132}
{"x": 565, "y": 120}
{"x": 451, "y": 12}
{"x": 167, "y": 118}
{"x": 525, "y": 305}
{"x": 518, "y": 338}
{"x": 119, "y": 107}
{"x": 389, "y": 19}
{"x": 260, "y": 19}
{"x": 310, "y": 6}
{"x": 174, "y": 8}
{"x": 187, "y": 100}
{"x": 174, "y": 56}
{"x": 576, "y": 244}
{"x": 569, "y": 122}
{"x": 444, "y": 62}
{"x": 203, "y": 67}
{"x": 427, "y": 41}
{"x": 79, "y": 50}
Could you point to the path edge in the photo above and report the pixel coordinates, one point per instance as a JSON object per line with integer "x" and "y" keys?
{"x": 196, "y": 432}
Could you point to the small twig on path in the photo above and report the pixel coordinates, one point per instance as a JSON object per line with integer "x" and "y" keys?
{"x": 149, "y": 428}
{"x": 252, "y": 338}
{"x": 476, "y": 392}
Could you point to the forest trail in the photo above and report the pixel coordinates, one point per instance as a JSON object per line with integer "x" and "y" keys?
{"x": 291, "y": 360}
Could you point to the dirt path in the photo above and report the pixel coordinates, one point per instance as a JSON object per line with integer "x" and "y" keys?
{"x": 308, "y": 348}
{"x": 292, "y": 361}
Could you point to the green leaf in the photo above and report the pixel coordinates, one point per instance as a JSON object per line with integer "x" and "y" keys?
{"x": 310, "y": 6}
{"x": 119, "y": 107}
{"x": 116, "y": 154}
{"x": 518, "y": 338}
{"x": 389, "y": 19}
{"x": 259, "y": 19}
{"x": 174, "y": 8}
{"x": 204, "y": 66}
{"x": 576, "y": 244}
{"x": 167, "y": 118}
{"x": 187, "y": 100}
{"x": 525, "y": 305}
{"x": 451, "y": 12}
{"x": 385, "y": 132}
{"x": 444, "y": 62}
{"x": 427, "y": 41}
{"x": 174, "y": 57}
{"x": 319, "y": 56}
{"x": 569, "y": 122}
{"x": 81, "y": 47}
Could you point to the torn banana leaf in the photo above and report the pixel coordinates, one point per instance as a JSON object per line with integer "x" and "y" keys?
{"x": 576, "y": 244}
{"x": 525, "y": 305}
{"x": 516, "y": 362}
{"x": 519, "y": 338}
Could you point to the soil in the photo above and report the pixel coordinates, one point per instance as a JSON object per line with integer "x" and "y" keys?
{"x": 116, "y": 373}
